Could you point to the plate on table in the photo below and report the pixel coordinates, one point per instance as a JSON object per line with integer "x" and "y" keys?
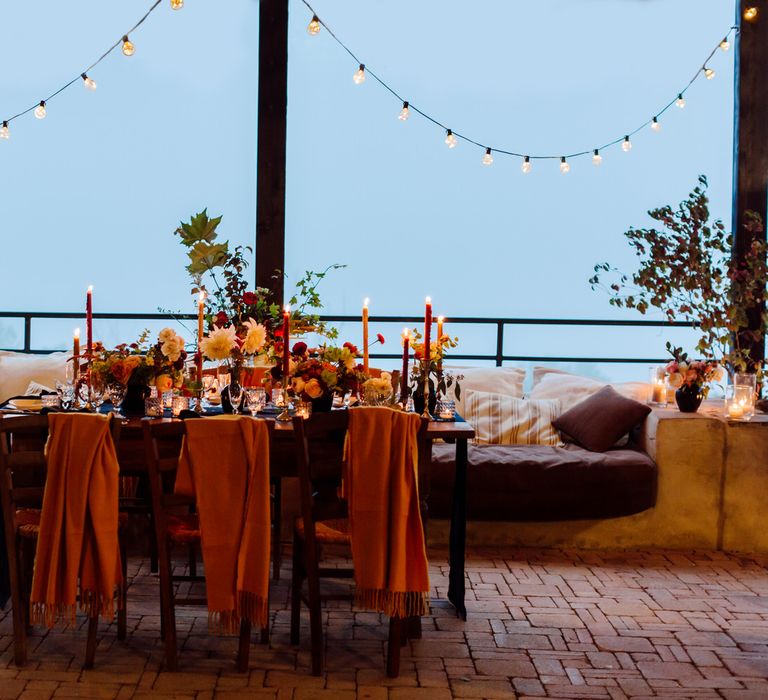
{"x": 26, "y": 404}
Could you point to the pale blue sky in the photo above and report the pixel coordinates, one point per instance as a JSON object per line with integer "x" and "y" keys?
{"x": 92, "y": 194}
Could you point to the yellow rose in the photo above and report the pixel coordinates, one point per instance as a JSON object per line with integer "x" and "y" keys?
{"x": 164, "y": 383}
{"x": 313, "y": 389}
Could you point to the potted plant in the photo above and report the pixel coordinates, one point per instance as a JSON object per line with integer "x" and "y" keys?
{"x": 690, "y": 378}
{"x": 437, "y": 380}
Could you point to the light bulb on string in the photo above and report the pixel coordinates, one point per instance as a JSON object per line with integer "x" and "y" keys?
{"x": 680, "y": 101}
{"x": 177, "y": 4}
{"x": 626, "y": 145}
{"x": 596, "y": 157}
{"x": 5, "y": 132}
{"x": 128, "y": 48}
{"x": 40, "y": 110}
{"x": 725, "y": 44}
{"x": 526, "y": 166}
{"x": 359, "y": 76}
{"x": 655, "y": 125}
{"x": 487, "y": 158}
{"x": 89, "y": 83}
{"x": 314, "y": 26}
{"x": 450, "y": 139}
{"x": 709, "y": 73}
{"x": 750, "y": 13}
{"x": 404, "y": 112}
{"x": 565, "y": 168}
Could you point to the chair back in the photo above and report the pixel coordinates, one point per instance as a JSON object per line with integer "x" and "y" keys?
{"x": 162, "y": 448}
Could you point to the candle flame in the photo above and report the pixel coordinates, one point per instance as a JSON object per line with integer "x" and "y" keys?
{"x": 365, "y": 303}
{"x": 90, "y": 288}
{"x": 201, "y": 296}
{"x": 440, "y": 319}
{"x": 406, "y": 333}
{"x": 429, "y": 300}
{"x": 287, "y": 308}
{"x": 77, "y": 334}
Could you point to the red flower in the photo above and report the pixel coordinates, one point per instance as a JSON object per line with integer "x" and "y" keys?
{"x": 278, "y": 332}
{"x": 250, "y": 298}
{"x": 380, "y": 338}
{"x": 352, "y": 348}
{"x": 221, "y": 319}
{"x": 299, "y": 348}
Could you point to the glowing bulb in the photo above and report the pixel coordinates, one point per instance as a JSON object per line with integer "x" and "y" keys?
{"x": 89, "y": 83}
{"x": 596, "y": 158}
{"x": 314, "y": 26}
{"x": 487, "y": 158}
{"x": 750, "y": 14}
{"x": 404, "y": 113}
{"x": 4, "y": 131}
{"x": 526, "y": 166}
{"x": 709, "y": 73}
{"x": 564, "y": 167}
{"x": 128, "y": 48}
{"x": 626, "y": 146}
{"x": 177, "y": 4}
{"x": 655, "y": 125}
{"x": 40, "y": 110}
{"x": 725, "y": 44}
{"x": 359, "y": 76}
{"x": 450, "y": 139}
{"x": 680, "y": 101}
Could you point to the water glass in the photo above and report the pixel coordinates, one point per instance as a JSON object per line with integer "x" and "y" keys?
{"x": 66, "y": 394}
{"x": 153, "y": 406}
{"x": 235, "y": 396}
{"x": 50, "y": 401}
{"x": 117, "y": 394}
{"x": 278, "y": 398}
{"x": 303, "y": 408}
{"x": 179, "y": 404}
{"x": 96, "y": 390}
{"x": 446, "y": 409}
{"x": 256, "y": 399}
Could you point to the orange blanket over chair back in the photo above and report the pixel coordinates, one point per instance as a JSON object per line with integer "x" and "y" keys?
{"x": 78, "y": 525}
{"x": 388, "y": 551}
{"x": 224, "y": 464}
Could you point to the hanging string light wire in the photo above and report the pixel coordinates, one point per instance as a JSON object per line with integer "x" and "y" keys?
{"x": 80, "y": 74}
{"x": 624, "y": 138}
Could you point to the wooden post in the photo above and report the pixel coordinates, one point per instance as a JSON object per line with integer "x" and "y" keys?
{"x": 270, "y": 165}
{"x": 750, "y": 142}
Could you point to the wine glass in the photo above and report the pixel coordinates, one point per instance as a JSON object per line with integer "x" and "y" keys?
{"x": 255, "y": 398}
{"x": 97, "y": 390}
{"x": 235, "y": 396}
{"x": 117, "y": 394}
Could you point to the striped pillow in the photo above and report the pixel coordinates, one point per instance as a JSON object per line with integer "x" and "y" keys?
{"x": 504, "y": 420}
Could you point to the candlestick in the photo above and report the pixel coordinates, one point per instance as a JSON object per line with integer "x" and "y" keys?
{"x": 365, "y": 335}
{"x": 404, "y": 377}
{"x": 200, "y": 315}
{"x": 440, "y": 322}
{"x": 89, "y": 322}
{"x": 75, "y": 355}
{"x": 427, "y": 352}
{"x": 286, "y": 339}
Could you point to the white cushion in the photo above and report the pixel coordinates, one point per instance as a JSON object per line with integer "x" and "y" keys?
{"x": 18, "y": 369}
{"x": 498, "y": 380}
{"x": 571, "y": 389}
{"x": 504, "y": 420}
{"x": 539, "y": 373}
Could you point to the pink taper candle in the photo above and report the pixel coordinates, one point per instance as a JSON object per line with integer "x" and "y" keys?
{"x": 365, "y": 336}
{"x": 427, "y": 334}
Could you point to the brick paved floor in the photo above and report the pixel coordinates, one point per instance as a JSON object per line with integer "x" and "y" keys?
{"x": 542, "y": 623}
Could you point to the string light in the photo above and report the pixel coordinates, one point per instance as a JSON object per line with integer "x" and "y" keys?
{"x": 626, "y": 145}
{"x": 128, "y": 48}
{"x": 359, "y": 76}
{"x": 89, "y": 83}
{"x": 564, "y": 166}
{"x": 177, "y": 4}
{"x": 680, "y": 101}
{"x": 655, "y": 125}
{"x": 404, "y": 113}
{"x": 709, "y": 73}
{"x": 450, "y": 139}
{"x": 314, "y": 26}
{"x": 487, "y": 158}
{"x": 526, "y": 166}
{"x": 725, "y": 44}
{"x": 5, "y": 132}
{"x": 40, "y": 110}
{"x": 596, "y": 157}
{"x": 750, "y": 14}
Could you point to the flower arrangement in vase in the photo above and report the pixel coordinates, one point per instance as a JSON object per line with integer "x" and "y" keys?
{"x": 432, "y": 373}
{"x": 690, "y": 378}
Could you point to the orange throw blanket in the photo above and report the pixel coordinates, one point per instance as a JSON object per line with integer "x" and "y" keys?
{"x": 224, "y": 464}
{"x": 78, "y": 525}
{"x": 390, "y": 559}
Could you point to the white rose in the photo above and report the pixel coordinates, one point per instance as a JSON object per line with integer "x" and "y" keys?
{"x": 675, "y": 380}
{"x": 166, "y": 334}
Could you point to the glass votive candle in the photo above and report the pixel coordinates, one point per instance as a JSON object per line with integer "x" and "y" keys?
{"x": 739, "y": 402}
{"x": 446, "y": 409}
{"x": 303, "y": 408}
{"x": 278, "y": 398}
{"x": 179, "y": 404}
{"x": 153, "y": 407}
{"x": 50, "y": 401}
{"x": 657, "y": 378}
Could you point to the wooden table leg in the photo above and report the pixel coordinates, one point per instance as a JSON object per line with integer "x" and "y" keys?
{"x": 458, "y": 536}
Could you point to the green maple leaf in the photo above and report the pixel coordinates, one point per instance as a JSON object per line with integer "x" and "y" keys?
{"x": 200, "y": 228}
{"x": 205, "y": 256}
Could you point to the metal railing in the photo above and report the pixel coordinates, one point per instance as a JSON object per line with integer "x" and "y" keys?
{"x": 500, "y": 324}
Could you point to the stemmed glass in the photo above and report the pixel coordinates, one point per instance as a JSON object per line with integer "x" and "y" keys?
{"x": 235, "y": 396}
{"x": 117, "y": 394}
{"x": 256, "y": 399}
{"x": 97, "y": 390}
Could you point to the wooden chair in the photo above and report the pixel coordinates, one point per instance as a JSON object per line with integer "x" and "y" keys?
{"x": 23, "y": 472}
{"x": 319, "y": 455}
{"x": 176, "y": 524}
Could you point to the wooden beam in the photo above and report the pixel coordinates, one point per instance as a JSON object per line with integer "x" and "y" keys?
{"x": 270, "y": 164}
{"x": 750, "y": 141}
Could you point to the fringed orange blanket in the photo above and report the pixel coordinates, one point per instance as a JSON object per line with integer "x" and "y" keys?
{"x": 224, "y": 464}
{"x": 390, "y": 559}
{"x": 78, "y": 525}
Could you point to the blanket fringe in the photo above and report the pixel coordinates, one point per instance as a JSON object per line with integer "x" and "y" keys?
{"x": 393, "y": 603}
{"x": 250, "y": 606}
{"x": 92, "y": 603}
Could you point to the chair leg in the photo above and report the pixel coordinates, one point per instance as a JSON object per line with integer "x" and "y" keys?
{"x": 396, "y": 630}
{"x": 277, "y": 521}
{"x": 167, "y": 615}
{"x": 90, "y": 645}
{"x": 315, "y": 621}
{"x": 122, "y": 611}
{"x": 244, "y": 646}
{"x": 19, "y": 603}
{"x": 192, "y": 560}
{"x": 265, "y": 629}
{"x": 297, "y": 578}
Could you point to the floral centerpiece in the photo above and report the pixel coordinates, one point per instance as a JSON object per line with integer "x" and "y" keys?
{"x": 437, "y": 379}
{"x": 378, "y": 390}
{"x": 690, "y": 378}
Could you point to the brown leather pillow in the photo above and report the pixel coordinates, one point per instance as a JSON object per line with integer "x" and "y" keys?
{"x": 599, "y": 421}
